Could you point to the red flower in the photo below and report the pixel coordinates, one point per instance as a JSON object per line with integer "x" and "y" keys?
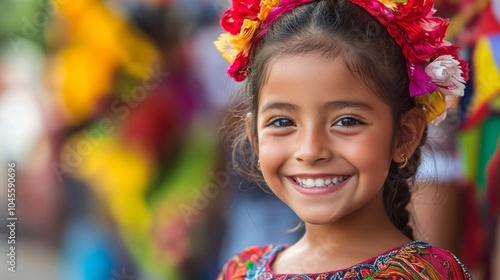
{"x": 239, "y": 69}
{"x": 414, "y": 32}
{"x": 233, "y": 18}
{"x": 230, "y": 22}
{"x": 411, "y": 23}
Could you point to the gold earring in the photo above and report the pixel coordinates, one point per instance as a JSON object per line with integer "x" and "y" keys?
{"x": 258, "y": 164}
{"x": 405, "y": 159}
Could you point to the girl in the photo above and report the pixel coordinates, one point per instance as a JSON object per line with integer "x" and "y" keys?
{"x": 338, "y": 95}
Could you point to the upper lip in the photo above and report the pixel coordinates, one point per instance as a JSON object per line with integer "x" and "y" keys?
{"x": 316, "y": 175}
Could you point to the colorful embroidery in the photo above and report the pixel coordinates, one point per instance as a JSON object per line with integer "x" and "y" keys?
{"x": 415, "y": 260}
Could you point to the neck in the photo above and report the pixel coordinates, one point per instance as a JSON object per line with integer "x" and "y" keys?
{"x": 350, "y": 234}
{"x": 368, "y": 225}
{"x": 357, "y": 237}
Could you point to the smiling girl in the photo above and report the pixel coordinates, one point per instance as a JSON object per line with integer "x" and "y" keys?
{"x": 338, "y": 96}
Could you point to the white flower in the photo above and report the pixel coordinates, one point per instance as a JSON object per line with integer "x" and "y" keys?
{"x": 446, "y": 73}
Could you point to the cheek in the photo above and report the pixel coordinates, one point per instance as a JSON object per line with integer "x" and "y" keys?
{"x": 372, "y": 152}
{"x": 273, "y": 152}
{"x": 268, "y": 148}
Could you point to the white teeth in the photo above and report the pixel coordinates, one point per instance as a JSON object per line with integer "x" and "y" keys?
{"x": 310, "y": 183}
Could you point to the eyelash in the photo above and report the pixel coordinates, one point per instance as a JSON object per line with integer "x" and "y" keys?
{"x": 273, "y": 121}
{"x": 354, "y": 118}
{"x": 357, "y": 121}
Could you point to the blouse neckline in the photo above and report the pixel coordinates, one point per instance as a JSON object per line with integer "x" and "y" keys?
{"x": 374, "y": 263}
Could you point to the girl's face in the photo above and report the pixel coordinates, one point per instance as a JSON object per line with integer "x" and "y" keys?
{"x": 324, "y": 139}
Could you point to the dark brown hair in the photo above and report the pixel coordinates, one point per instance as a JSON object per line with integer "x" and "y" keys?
{"x": 336, "y": 28}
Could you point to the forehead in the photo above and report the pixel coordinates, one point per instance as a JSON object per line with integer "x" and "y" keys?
{"x": 309, "y": 78}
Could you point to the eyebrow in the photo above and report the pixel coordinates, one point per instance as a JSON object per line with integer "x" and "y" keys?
{"x": 279, "y": 106}
{"x": 342, "y": 104}
{"x": 332, "y": 105}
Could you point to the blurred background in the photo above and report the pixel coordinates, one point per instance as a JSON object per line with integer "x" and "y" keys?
{"x": 112, "y": 112}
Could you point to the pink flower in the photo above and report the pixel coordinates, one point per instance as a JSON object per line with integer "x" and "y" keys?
{"x": 420, "y": 82}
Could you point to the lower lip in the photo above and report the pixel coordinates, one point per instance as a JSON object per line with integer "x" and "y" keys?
{"x": 317, "y": 190}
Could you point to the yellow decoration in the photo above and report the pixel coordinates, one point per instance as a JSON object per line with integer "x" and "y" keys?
{"x": 100, "y": 42}
{"x": 246, "y": 34}
{"x": 389, "y": 4}
{"x": 226, "y": 48}
{"x": 487, "y": 74}
{"x": 85, "y": 75}
{"x": 230, "y": 46}
{"x": 116, "y": 173}
{"x": 265, "y": 8}
{"x": 433, "y": 104}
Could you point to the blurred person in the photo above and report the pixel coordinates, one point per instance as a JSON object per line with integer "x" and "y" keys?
{"x": 89, "y": 247}
{"x": 478, "y": 139}
{"x": 88, "y": 44}
{"x": 437, "y": 203}
{"x": 27, "y": 126}
{"x": 440, "y": 204}
{"x": 195, "y": 155}
{"x": 152, "y": 154}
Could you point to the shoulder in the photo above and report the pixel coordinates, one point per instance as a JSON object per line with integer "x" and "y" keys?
{"x": 425, "y": 261}
{"x": 237, "y": 267}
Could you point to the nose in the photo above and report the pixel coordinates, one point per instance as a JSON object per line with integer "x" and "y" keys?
{"x": 313, "y": 145}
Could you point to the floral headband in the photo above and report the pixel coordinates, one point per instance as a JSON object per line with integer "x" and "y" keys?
{"x": 435, "y": 71}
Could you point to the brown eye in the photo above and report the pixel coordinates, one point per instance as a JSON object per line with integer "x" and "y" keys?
{"x": 281, "y": 122}
{"x": 348, "y": 122}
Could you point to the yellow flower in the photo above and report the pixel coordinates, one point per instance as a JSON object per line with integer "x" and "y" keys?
{"x": 265, "y": 8}
{"x": 226, "y": 48}
{"x": 391, "y": 4}
{"x": 246, "y": 35}
{"x": 230, "y": 46}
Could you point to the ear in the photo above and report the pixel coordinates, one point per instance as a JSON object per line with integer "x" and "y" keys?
{"x": 250, "y": 133}
{"x": 412, "y": 127}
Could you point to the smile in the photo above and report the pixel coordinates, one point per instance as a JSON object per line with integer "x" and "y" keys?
{"x": 320, "y": 182}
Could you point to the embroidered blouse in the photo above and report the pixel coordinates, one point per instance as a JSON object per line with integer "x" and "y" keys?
{"x": 415, "y": 260}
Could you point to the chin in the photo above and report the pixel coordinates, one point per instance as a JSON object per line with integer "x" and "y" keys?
{"x": 317, "y": 219}
{"x": 317, "y": 222}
